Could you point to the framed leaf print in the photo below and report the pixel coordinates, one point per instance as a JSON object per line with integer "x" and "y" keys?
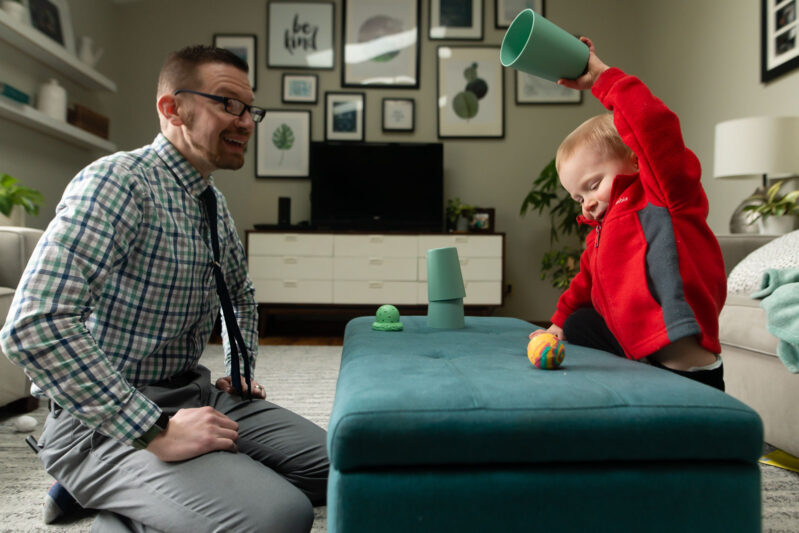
{"x": 283, "y": 141}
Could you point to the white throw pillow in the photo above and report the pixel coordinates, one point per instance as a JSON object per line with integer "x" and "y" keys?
{"x": 780, "y": 253}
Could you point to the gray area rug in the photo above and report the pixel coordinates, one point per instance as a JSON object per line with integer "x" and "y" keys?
{"x": 303, "y": 379}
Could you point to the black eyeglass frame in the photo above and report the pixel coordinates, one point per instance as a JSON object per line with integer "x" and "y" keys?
{"x": 257, "y": 113}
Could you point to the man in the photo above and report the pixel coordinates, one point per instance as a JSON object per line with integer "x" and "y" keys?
{"x": 115, "y": 309}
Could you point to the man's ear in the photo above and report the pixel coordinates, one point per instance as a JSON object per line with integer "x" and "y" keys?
{"x": 168, "y": 108}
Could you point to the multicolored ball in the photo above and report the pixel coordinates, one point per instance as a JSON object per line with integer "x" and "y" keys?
{"x": 545, "y": 351}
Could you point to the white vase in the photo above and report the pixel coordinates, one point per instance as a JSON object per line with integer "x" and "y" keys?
{"x": 16, "y": 218}
{"x": 16, "y": 11}
{"x": 52, "y": 100}
{"x": 776, "y": 225}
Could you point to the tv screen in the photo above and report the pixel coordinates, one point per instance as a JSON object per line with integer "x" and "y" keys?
{"x": 377, "y": 186}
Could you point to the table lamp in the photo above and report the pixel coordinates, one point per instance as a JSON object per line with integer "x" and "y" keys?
{"x": 756, "y": 146}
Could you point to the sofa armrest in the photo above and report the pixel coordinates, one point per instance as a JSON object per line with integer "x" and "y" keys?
{"x": 737, "y": 246}
{"x": 16, "y": 247}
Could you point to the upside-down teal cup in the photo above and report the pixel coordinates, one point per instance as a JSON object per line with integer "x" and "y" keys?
{"x": 535, "y": 45}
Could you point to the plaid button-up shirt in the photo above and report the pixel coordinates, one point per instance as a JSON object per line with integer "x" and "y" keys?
{"x": 120, "y": 291}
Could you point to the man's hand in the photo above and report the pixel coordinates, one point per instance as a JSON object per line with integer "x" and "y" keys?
{"x": 194, "y": 432}
{"x": 553, "y": 330}
{"x": 595, "y": 69}
{"x": 225, "y": 384}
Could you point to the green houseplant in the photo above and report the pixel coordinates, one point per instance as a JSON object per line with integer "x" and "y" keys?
{"x": 13, "y": 194}
{"x": 770, "y": 204}
{"x": 457, "y": 210}
{"x": 562, "y": 263}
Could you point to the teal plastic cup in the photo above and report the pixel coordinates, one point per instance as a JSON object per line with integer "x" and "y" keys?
{"x": 535, "y": 45}
{"x": 446, "y": 314}
{"x": 444, "y": 278}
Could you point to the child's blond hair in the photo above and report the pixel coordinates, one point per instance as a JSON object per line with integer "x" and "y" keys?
{"x": 598, "y": 132}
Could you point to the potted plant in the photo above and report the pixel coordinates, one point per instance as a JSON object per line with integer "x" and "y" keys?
{"x": 458, "y": 214}
{"x": 12, "y": 195}
{"x": 559, "y": 264}
{"x": 775, "y": 213}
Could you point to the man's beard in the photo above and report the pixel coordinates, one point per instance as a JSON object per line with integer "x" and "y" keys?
{"x": 217, "y": 157}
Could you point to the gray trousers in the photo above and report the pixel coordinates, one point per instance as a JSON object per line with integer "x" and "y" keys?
{"x": 271, "y": 484}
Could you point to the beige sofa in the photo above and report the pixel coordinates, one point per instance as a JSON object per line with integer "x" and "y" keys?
{"x": 752, "y": 371}
{"x": 16, "y": 246}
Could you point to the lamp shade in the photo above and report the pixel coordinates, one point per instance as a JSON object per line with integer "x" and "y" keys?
{"x": 757, "y": 146}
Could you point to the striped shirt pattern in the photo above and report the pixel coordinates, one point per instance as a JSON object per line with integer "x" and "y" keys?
{"x": 120, "y": 290}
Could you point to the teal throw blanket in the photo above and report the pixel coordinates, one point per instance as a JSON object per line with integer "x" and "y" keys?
{"x": 779, "y": 291}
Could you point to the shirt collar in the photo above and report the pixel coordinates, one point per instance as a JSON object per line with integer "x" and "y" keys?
{"x": 186, "y": 175}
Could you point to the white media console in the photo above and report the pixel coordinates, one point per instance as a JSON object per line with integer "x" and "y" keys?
{"x": 348, "y": 269}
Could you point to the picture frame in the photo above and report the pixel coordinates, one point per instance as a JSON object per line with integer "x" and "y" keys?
{"x": 52, "y": 18}
{"x": 456, "y": 19}
{"x": 300, "y": 35}
{"x": 506, "y": 10}
{"x": 398, "y": 114}
{"x": 779, "y": 46}
{"x": 471, "y": 92}
{"x": 244, "y": 45}
{"x": 283, "y": 144}
{"x": 344, "y": 116}
{"x": 381, "y": 43}
{"x": 300, "y": 88}
{"x": 534, "y": 90}
{"x": 482, "y": 220}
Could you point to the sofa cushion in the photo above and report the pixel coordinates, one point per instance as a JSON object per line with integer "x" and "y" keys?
{"x": 780, "y": 253}
{"x": 742, "y": 324}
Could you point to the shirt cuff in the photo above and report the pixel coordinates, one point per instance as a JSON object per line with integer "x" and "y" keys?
{"x": 135, "y": 418}
{"x": 605, "y": 82}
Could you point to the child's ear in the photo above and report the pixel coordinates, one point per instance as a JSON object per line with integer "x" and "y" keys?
{"x": 634, "y": 160}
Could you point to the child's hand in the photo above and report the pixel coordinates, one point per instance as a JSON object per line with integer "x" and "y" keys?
{"x": 595, "y": 68}
{"x": 552, "y": 330}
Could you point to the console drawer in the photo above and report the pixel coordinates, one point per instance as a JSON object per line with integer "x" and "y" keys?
{"x": 382, "y": 268}
{"x": 374, "y": 292}
{"x": 291, "y": 267}
{"x": 293, "y": 291}
{"x": 282, "y": 244}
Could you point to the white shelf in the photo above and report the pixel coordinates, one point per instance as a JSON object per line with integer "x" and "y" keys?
{"x": 36, "y": 120}
{"x": 40, "y": 47}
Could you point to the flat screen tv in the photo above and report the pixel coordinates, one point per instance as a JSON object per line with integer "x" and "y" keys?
{"x": 377, "y": 186}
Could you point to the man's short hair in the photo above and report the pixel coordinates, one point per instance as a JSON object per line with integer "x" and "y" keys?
{"x": 598, "y": 132}
{"x": 180, "y": 68}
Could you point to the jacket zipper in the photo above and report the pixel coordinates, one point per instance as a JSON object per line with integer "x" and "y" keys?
{"x": 596, "y": 242}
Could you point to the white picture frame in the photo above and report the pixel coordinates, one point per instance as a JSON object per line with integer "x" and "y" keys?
{"x": 506, "y": 10}
{"x": 456, "y": 19}
{"x": 300, "y": 35}
{"x": 344, "y": 116}
{"x": 52, "y": 18}
{"x": 283, "y": 142}
{"x": 300, "y": 88}
{"x": 471, "y": 92}
{"x": 534, "y": 90}
{"x": 398, "y": 114}
{"x": 243, "y": 45}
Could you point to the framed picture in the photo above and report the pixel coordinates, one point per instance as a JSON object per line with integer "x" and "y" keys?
{"x": 779, "y": 50}
{"x": 300, "y": 35}
{"x": 456, "y": 19}
{"x": 471, "y": 92}
{"x": 283, "y": 141}
{"x": 534, "y": 90}
{"x": 300, "y": 88}
{"x": 344, "y": 114}
{"x": 506, "y": 10}
{"x": 51, "y": 17}
{"x": 398, "y": 114}
{"x": 381, "y": 43}
{"x": 482, "y": 220}
{"x": 244, "y": 46}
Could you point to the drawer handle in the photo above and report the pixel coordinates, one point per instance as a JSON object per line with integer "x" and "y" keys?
{"x": 375, "y": 284}
{"x": 375, "y": 239}
{"x": 375, "y": 260}
{"x": 464, "y": 261}
{"x": 290, "y": 238}
{"x": 289, "y": 260}
{"x": 290, "y": 284}
{"x": 462, "y": 240}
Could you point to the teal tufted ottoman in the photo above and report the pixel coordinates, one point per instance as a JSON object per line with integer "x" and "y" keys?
{"x": 454, "y": 430}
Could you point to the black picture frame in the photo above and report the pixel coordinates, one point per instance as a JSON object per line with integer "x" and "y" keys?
{"x": 245, "y": 46}
{"x": 380, "y": 45}
{"x": 504, "y": 10}
{"x": 398, "y": 114}
{"x": 483, "y": 220}
{"x": 52, "y": 18}
{"x": 460, "y": 20}
{"x": 345, "y": 116}
{"x": 779, "y": 43}
{"x": 300, "y": 88}
{"x": 311, "y": 40}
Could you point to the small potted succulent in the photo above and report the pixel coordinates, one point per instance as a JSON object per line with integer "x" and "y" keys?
{"x": 775, "y": 213}
{"x": 12, "y": 195}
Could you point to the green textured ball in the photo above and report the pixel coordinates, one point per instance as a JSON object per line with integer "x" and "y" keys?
{"x": 387, "y": 319}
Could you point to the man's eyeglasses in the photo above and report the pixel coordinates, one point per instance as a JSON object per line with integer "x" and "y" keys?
{"x": 232, "y": 106}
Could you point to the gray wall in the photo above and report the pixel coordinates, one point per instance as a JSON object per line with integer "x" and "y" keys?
{"x": 700, "y": 57}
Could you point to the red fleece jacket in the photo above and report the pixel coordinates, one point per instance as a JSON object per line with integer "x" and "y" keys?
{"x": 653, "y": 268}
